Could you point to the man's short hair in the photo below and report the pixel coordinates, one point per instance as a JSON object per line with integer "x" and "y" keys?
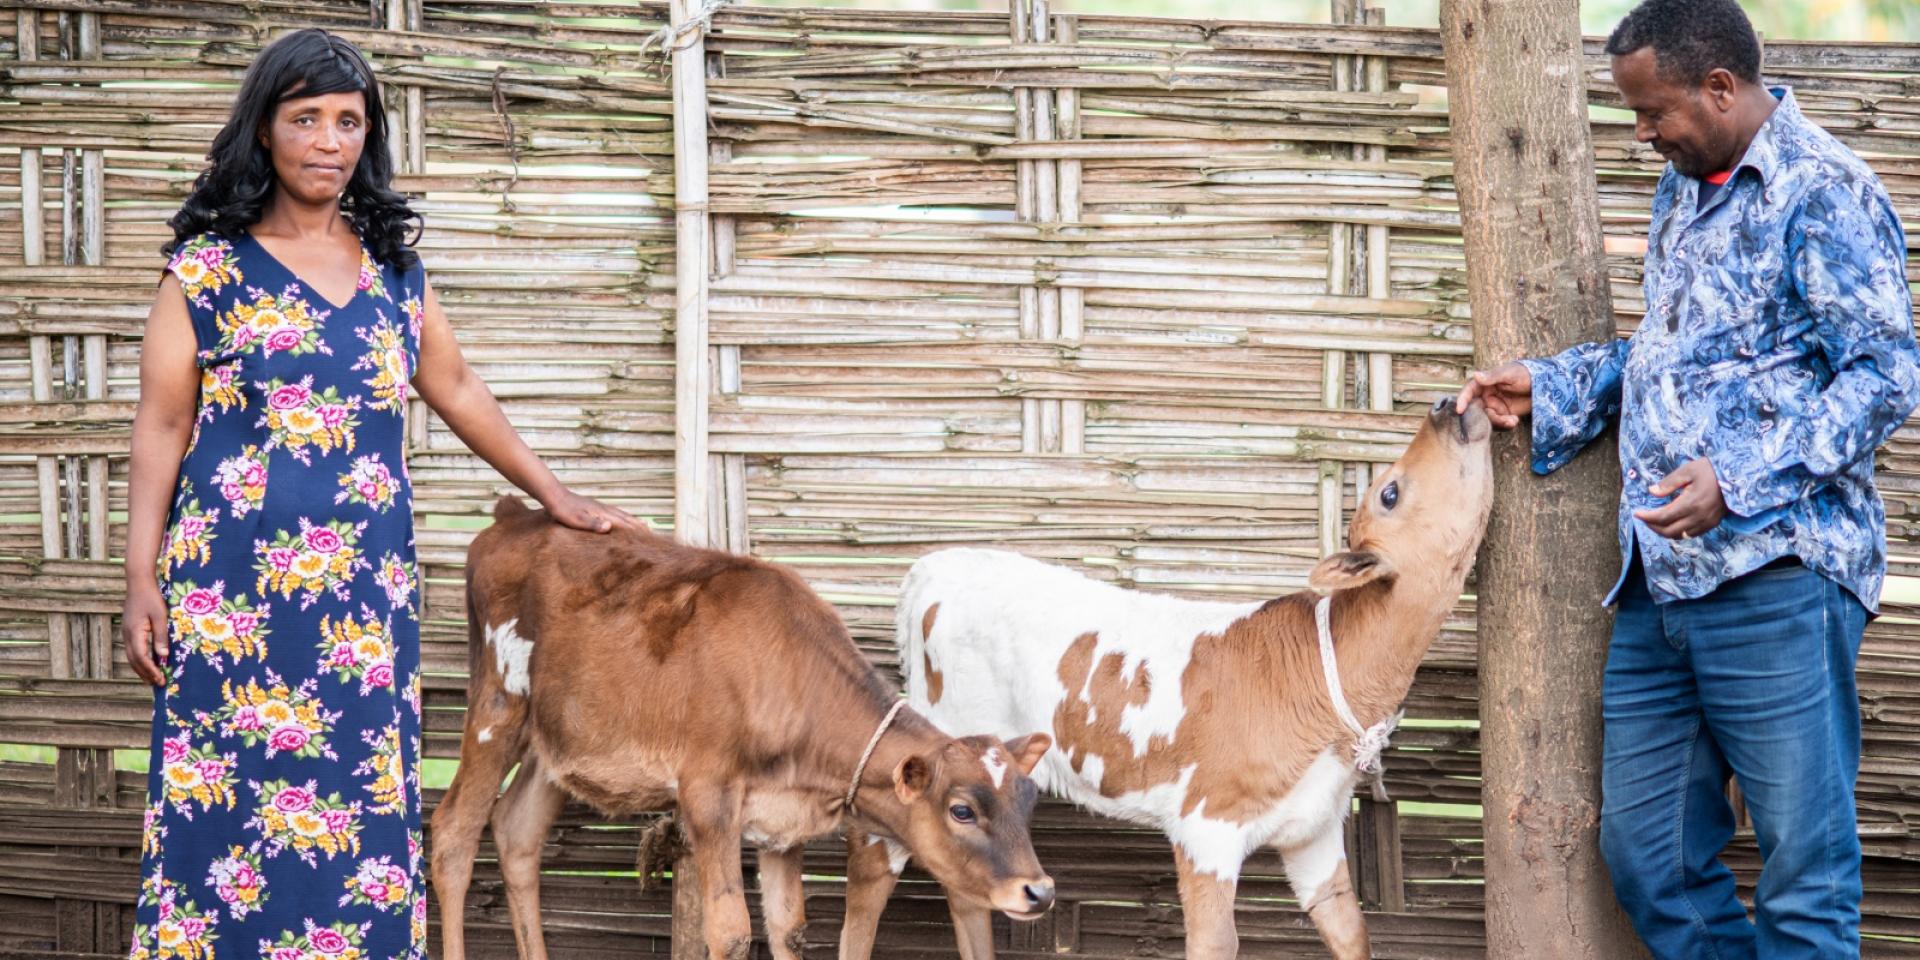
{"x": 1691, "y": 38}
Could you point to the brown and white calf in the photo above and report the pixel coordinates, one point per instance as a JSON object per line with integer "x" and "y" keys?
{"x": 636, "y": 673}
{"x": 1210, "y": 721}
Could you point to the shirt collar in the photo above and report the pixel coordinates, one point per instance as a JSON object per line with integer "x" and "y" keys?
{"x": 1771, "y": 143}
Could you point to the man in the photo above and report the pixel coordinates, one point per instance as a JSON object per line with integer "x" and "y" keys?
{"x": 1776, "y": 353}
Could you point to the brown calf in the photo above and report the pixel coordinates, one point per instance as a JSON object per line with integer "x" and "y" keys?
{"x": 636, "y": 673}
{"x": 1210, "y": 721}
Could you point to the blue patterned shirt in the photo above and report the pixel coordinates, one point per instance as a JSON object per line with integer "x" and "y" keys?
{"x": 1778, "y": 343}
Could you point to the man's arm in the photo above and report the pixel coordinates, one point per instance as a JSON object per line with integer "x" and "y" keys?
{"x": 1847, "y": 256}
{"x": 1575, "y": 394}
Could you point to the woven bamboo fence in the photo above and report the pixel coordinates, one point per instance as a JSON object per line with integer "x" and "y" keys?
{"x": 1149, "y": 297}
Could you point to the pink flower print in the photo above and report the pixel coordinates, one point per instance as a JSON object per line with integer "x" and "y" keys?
{"x": 342, "y": 655}
{"x": 254, "y": 473}
{"x": 396, "y": 877}
{"x": 380, "y": 675}
{"x": 332, "y": 415}
{"x": 322, "y": 540}
{"x": 282, "y": 558}
{"x": 375, "y": 891}
{"x": 246, "y": 718}
{"x": 337, "y": 820}
{"x": 285, "y": 338}
{"x": 243, "y": 338}
{"x": 243, "y": 622}
{"x": 190, "y": 528}
{"x": 293, "y": 800}
{"x": 211, "y": 770}
{"x": 193, "y": 927}
{"x": 289, "y": 738}
{"x": 290, "y": 397}
{"x": 328, "y": 942}
{"x": 174, "y": 749}
{"x": 212, "y": 255}
{"x": 287, "y": 953}
{"x": 200, "y": 602}
{"x": 231, "y": 491}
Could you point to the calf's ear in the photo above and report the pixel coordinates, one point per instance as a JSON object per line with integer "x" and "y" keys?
{"x": 1026, "y": 751}
{"x": 1349, "y": 569}
{"x": 912, "y": 778}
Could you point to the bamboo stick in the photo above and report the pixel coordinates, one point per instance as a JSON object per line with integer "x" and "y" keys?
{"x": 693, "y": 239}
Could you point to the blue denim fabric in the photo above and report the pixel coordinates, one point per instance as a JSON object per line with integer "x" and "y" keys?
{"x": 1755, "y": 679}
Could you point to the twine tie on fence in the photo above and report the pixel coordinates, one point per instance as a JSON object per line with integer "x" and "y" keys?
{"x": 1368, "y": 741}
{"x": 676, "y": 36}
{"x": 860, "y": 768}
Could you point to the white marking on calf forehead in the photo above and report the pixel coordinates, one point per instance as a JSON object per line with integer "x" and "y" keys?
{"x": 510, "y": 654}
{"x": 996, "y": 765}
{"x": 486, "y": 734}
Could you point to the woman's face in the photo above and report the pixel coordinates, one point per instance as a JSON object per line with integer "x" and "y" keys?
{"x": 316, "y": 142}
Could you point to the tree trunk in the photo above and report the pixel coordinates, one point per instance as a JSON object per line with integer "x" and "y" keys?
{"x": 1536, "y": 276}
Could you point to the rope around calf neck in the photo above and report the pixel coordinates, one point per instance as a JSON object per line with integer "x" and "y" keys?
{"x": 1368, "y": 741}
{"x": 861, "y": 768}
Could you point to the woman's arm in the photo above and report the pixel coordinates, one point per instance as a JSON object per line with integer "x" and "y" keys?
{"x": 162, "y": 425}
{"x": 462, "y": 399}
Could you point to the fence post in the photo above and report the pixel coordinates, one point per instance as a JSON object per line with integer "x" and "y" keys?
{"x": 1537, "y": 281}
{"x": 693, "y": 254}
{"x": 693, "y": 258}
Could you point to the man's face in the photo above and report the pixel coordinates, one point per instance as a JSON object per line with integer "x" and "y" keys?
{"x": 1691, "y": 126}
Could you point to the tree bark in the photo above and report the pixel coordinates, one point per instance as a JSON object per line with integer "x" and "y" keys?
{"x": 1537, "y": 281}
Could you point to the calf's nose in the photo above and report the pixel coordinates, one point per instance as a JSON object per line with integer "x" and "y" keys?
{"x": 1039, "y": 895}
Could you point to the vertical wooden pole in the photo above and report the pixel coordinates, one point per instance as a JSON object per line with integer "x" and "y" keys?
{"x": 692, "y": 254}
{"x": 1073, "y": 413}
{"x": 1537, "y": 279}
{"x": 729, "y": 501}
{"x": 693, "y": 370}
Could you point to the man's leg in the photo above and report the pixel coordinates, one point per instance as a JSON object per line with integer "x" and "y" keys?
{"x": 1665, "y": 817}
{"x": 1774, "y": 657}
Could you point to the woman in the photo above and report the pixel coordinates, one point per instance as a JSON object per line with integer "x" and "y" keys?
{"x": 271, "y": 533}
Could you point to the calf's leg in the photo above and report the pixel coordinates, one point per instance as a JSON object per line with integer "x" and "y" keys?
{"x": 1206, "y": 900}
{"x": 783, "y": 902}
{"x": 973, "y": 928}
{"x": 1318, "y": 871}
{"x": 870, "y": 881}
{"x": 711, "y": 812}
{"x": 520, "y": 825}
{"x": 462, "y": 814}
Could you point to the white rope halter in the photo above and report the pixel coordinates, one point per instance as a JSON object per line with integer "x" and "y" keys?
{"x": 861, "y": 767}
{"x": 1368, "y": 741}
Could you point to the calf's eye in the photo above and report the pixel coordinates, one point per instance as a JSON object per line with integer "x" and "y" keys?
{"x": 1390, "y": 494}
{"x": 961, "y": 813}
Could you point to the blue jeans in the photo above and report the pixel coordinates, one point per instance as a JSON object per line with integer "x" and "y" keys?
{"x": 1755, "y": 680}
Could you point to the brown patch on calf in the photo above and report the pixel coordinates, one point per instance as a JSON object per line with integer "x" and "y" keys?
{"x": 1279, "y": 710}
{"x": 935, "y": 682}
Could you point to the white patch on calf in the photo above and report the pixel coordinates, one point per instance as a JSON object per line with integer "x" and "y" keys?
{"x": 486, "y": 734}
{"x": 510, "y": 654}
{"x": 1315, "y": 807}
{"x": 996, "y": 766}
{"x": 897, "y": 853}
{"x": 1005, "y": 621}
{"x": 1311, "y": 865}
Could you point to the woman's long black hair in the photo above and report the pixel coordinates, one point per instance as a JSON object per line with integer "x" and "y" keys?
{"x": 232, "y": 192}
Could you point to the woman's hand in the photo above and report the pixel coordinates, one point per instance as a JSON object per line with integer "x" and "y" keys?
{"x": 586, "y": 513}
{"x": 143, "y": 625}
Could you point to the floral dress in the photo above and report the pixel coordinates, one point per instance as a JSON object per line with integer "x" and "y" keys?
{"x": 283, "y": 810}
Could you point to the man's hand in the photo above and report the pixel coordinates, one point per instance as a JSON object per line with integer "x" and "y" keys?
{"x": 1506, "y": 390}
{"x": 1696, "y": 509}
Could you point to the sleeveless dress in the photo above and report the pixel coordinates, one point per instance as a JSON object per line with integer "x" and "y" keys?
{"x": 283, "y": 807}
